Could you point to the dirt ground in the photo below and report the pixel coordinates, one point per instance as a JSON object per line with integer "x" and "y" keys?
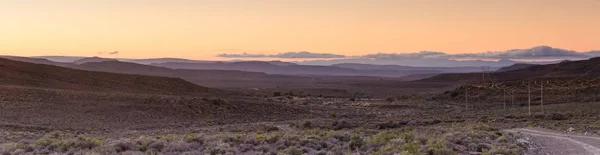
{"x": 30, "y": 116}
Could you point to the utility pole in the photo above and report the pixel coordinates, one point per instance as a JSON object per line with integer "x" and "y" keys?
{"x": 512, "y": 94}
{"x": 529, "y": 97}
{"x": 542, "y": 95}
{"x": 482, "y": 74}
{"x": 466, "y": 98}
{"x": 504, "y": 100}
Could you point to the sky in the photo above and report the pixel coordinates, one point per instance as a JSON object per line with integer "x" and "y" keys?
{"x": 203, "y": 29}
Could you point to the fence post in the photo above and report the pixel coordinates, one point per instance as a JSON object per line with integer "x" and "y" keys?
{"x": 529, "y": 97}
{"x": 542, "y": 96}
{"x": 466, "y": 98}
{"x": 504, "y": 100}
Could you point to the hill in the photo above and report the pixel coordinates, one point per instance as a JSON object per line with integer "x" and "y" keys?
{"x": 162, "y": 60}
{"x": 92, "y": 59}
{"x": 18, "y": 73}
{"x": 36, "y": 60}
{"x": 514, "y": 67}
{"x": 241, "y": 80}
{"x": 588, "y": 67}
{"x": 57, "y": 98}
{"x": 409, "y": 68}
{"x": 289, "y": 69}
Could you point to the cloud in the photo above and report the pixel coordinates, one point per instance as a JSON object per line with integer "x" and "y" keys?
{"x": 404, "y": 56}
{"x": 244, "y": 55}
{"x": 229, "y": 50}
{"x": 539, "y": 52}
{"x": 287, "y": 55}
{"x": 592, "y": 53}
{"x": 536, "y": 54}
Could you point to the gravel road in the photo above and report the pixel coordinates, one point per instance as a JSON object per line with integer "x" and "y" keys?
{"x": 554, "y": 143}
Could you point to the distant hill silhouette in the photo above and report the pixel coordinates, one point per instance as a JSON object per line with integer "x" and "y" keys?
{"x": 515, "y": 67}
{"x": 409, "y": 68}
{"x": 270, "y": 68}
{"x": 47, "y": 76}
{"x": 590, "y": 67}
{"x": 36, "y": 60}
{"x": 92, "y": 59}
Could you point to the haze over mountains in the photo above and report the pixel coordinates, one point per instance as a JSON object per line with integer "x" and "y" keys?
{"x": 349, "y": 78}
{"x": 538, "y": 54}
{"x": 18, "y": 73}
{"x": 239, "y": 72}
{"x": 565, "y": 69}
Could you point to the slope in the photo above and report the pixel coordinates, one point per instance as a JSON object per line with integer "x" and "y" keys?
{"x": 18, "y": 73}
{"x": 270, "y": 68}
{"x": 588, "y": 67}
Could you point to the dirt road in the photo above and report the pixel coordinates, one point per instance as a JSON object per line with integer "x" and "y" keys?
{"x": 553, "y": 143}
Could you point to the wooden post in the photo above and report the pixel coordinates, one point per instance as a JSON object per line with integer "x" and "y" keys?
{"x": 504, "y": 100}
{"x": 483, "y": 74}
{"x": 512, "y": 94}
{"x": 466, "y": 98}
{"x": 542, "y": 96}
{"x": 529, "y": 97}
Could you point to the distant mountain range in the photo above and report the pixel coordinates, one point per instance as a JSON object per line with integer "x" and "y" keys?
{"x": 102, "y": 74}
{"x": 515, "y": 67}
{"x": 590, "y": 67}
{"x": 266, "y": 67}
{"x": 270, "y": 68}
{"x": 19, "y": 73}
{"x": 410, "y": 68}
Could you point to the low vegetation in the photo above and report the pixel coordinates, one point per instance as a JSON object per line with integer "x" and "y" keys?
{"x": 430, "y": 140}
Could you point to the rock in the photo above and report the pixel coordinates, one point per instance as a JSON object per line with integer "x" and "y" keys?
{"x": 460, "y": 148}
{"x": 483, "y": 147}
{"x": 474, "y": 153}
{"x": 523, "y": 143}
{"x": 472, "y": 147}
{"x": 571, "y": 129}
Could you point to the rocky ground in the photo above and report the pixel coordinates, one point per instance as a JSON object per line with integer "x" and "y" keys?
{"x": 36, "y": 120}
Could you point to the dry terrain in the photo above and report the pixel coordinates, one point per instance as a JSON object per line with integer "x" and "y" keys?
{"x": 47, "y": 109}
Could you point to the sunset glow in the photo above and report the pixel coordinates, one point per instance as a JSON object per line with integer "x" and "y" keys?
{"x": 201, "y": 29}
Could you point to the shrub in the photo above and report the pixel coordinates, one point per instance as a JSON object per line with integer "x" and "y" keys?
{"x": 276, "y": 94}
{"x": 292, "y": 151}
{"x": 390, "y": 99}
{"x": 338, "y": 125}
{"x": 65, "y": 145}
{"x": 484, "y": 127}
{"x": 502, "y": 139}
{"x": 558, "y": 117}
{"x": 344, "y": 137}
{"x": 411, "y": 147}
{"x": 194, "y": 138}
{"x": 87, "y": 142}
{"x": 356, "y": 142}
{"x": 454, "y": 94}
{"x": 273, "y": 138}
{"x": 388, "y": 125}
{"x": 157, "y": 146}
{"x": 383, "y": 138}
{"x": 307, "y": 125}
{"x": 123, "y": 145}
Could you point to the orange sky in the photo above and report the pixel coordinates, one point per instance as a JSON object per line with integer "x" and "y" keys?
{"x": 201, "y": 29}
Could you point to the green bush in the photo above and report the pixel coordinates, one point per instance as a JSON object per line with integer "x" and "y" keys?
{"x": 356, "y": 142}
{"x": 411, "y": 147}
{"x": 293, "y": 151}
{"x": 383, "y": 137}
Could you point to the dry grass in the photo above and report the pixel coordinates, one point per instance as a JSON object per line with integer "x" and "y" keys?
{"x": 422, "y": 140}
